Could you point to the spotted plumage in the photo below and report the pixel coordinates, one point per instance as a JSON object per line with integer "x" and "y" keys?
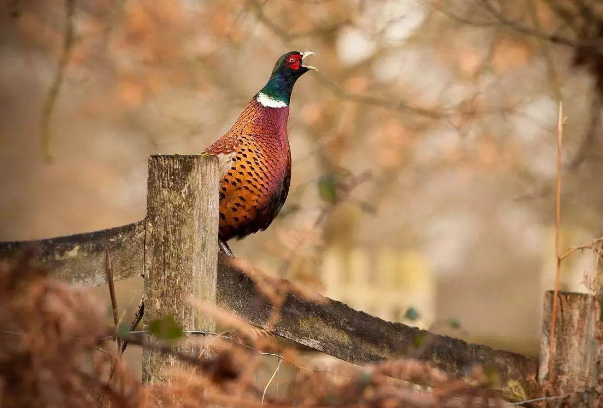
{"x": 254, "y": 155}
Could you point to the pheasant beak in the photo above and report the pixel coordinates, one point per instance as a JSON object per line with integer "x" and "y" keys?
{"x": 307, "y": 54}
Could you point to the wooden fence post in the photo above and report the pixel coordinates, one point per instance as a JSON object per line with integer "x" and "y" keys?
{"x": 575, "y": 350}
{"x": 181, "y": 248}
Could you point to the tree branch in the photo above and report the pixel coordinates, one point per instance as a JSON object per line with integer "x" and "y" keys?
{"x": 57, "y": 82}
{"x": 593, "y": 46}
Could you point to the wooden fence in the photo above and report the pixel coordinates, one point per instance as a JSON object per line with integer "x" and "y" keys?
{"x": 175, "y": 248}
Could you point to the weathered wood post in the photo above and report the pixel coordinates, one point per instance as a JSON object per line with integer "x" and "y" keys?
{"x": 181, "y": 247}
{"x": 575, "y": 350}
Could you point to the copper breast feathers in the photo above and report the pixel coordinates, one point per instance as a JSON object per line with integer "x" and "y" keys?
{"x": 256, "y": 163}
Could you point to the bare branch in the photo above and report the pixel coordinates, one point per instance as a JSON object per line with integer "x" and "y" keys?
{"x": 560, "y": 123}
{"x": 135, "y": 322}
{"x": 592, "y": 46}
{"x": 109, "y": 272}
{"x": 55, "y": 87}
{"x": 462, "y": 19}
{"x": 594, "y": 245}
{"x": 564, "y": 14}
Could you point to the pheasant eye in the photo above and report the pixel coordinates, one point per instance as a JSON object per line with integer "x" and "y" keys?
{"x": 293, "y": 62}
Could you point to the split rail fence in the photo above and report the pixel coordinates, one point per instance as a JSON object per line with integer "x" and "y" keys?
{"x": 175, "y": 248}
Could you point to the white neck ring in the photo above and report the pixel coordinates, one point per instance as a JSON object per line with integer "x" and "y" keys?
{"x": 269, "y": 102}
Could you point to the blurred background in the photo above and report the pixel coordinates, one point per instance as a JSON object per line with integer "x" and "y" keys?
{"x": 424, "y": 149}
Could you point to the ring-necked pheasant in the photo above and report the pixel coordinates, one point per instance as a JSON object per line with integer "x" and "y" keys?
{"x": 254, "y": 155}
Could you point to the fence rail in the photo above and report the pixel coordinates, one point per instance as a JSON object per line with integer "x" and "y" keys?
{"x": 177, "y": 242}
{"x": 80, "y": 259}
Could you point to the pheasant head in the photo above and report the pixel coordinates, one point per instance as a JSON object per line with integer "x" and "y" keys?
{"x": 287, "y": 70}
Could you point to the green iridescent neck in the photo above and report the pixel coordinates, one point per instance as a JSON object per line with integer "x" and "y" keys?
{"x": 279, "y": 87}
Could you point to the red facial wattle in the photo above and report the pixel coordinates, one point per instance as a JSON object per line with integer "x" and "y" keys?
{"x": 294, "y": 62}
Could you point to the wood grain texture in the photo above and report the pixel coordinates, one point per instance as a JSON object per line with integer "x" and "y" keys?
{"x": 80, "y": 259}
{"x": 576, "y": 348}
{"x": 181, "y": 247}
{"x": 336, "y": 329}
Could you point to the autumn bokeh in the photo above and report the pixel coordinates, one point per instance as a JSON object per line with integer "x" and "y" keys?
{"x": 423, "y": 149}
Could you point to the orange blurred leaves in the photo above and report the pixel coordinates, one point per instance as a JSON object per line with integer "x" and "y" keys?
{"x": 393, "y": 140}
{"x": 357, "y": 84}
{"x": 469, "y": 62}
{"x": 511, "y": 54}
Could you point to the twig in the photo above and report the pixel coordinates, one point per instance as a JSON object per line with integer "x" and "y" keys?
{"x": 371, "y": 100}
{"x": 109, "y": 272}
{"x": 134, "y": 324}
{"x": 278, "y": 366}
{"x": 461, "y": 19}
{"x": 583, "y": 153}
{"x": 59, "y": 76}
{"x": 591, "y": 245}
{"x": 560, "y": 123}
{"x": 564, "y": 14}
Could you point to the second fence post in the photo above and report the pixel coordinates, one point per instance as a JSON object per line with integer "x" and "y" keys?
{"x": 575, "y": 358}
{"x": 181, "y": 248}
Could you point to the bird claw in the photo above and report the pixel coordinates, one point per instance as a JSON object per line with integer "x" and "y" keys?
{"x": 225, "y": 249}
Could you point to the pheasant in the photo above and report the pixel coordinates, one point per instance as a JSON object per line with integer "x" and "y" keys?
{"x": 254, "y": 155}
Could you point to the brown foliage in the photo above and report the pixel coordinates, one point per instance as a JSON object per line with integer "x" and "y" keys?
{"x": 51, "y": 339}
{"x": 56, "y": 354}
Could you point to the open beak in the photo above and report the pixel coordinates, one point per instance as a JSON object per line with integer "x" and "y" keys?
{"x": 307, "y": 54}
